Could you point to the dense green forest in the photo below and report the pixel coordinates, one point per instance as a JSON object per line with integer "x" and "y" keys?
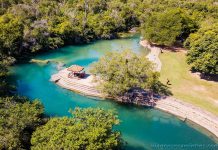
{"x": 32, "y": 26}
{"x": 28, "y": 26}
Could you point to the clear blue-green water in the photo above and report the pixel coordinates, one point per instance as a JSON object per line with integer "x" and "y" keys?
{"x": 140, "y": 127}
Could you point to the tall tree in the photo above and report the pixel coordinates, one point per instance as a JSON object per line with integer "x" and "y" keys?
{"x": 11, "y": 34}
{"x": 203, "y": 49}
{"x": 118, "y": 72}
{"x": 164, "y": 28}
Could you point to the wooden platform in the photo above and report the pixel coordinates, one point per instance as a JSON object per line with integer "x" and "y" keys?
{"x": 85, "y": 85}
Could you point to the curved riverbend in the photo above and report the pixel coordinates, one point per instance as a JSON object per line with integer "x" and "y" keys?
{"x": 141, "y": 128}
{"x": 183, "y": 110}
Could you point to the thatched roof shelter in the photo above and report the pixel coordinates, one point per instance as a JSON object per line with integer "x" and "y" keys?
{"x": 75, "y": 68}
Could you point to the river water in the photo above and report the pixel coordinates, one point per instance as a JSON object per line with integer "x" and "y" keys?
{"x": 141, "y": 128}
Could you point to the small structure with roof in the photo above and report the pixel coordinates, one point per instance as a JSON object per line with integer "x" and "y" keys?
{"x": 76, "y": 71}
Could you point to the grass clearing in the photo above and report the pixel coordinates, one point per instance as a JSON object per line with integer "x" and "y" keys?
{"x": 186, "y": 86}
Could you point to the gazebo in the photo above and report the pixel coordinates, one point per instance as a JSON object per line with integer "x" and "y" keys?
{"x": 76, "y": 71}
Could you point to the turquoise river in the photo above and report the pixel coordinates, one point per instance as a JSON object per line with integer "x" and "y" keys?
{"x": 141, "y": 128}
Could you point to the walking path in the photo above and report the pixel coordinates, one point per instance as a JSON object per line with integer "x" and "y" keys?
{"x": 186, "y": 111}
{"x": 153, "y": 55}
{"x": 183, "y": 110}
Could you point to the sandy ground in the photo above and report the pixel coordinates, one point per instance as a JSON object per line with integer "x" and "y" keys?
{"x": 153, "y": 55}
{"x": 177, "y": 107}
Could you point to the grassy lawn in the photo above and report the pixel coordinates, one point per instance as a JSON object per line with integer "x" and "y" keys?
{"x": 186, "y": 86}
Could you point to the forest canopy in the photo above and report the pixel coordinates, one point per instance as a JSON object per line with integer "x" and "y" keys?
{"x": 19, "y": 117}
{"x": 87, "y": 129}
{"x": 203, "y": 49}
{"x": 32, "y": 26}
{"x": 165, "y": 28}
{"x": 40, "y": 25}
{"x": 28, "y": 27}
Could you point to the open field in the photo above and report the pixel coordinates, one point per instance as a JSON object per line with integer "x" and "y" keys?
{"x": 186, "y": 86}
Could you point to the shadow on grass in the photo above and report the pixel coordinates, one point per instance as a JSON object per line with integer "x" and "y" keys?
{"x": 161, "y": 89}
{"x": 207, "y": 77}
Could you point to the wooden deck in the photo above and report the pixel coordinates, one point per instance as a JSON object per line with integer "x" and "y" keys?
{"x": 84, "y": 86}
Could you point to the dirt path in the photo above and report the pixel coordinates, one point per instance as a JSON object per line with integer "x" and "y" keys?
{"x": 183, "y": 110}
{"x": 153, "y": 55}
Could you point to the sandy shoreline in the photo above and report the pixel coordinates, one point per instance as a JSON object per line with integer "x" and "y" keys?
{"x": 153, "y": 55}
{"x": 179, "y": 108}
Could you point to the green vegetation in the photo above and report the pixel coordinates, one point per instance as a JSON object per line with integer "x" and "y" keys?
{"x": 19, "y": 117}
{"x": 168, "y": 21}
{"x": 122, "y": 71}
{"x": 203, "y": 49}
{"x": 4, "y": 86}
{"x": 87, "y": 129}
{"x": 11, "y": 34}
{"x": 185, "y": 85}
{"x": 165, "y": 25}
{"x": 33, "y": 26}
{"x": 164, "y": 28}
{"x": 30, "y": 26}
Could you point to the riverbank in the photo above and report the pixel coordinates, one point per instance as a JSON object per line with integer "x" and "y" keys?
{"x": 183, "y": 110}
{"x": 189, "y": 112}
{"x": 185, "y": 85}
